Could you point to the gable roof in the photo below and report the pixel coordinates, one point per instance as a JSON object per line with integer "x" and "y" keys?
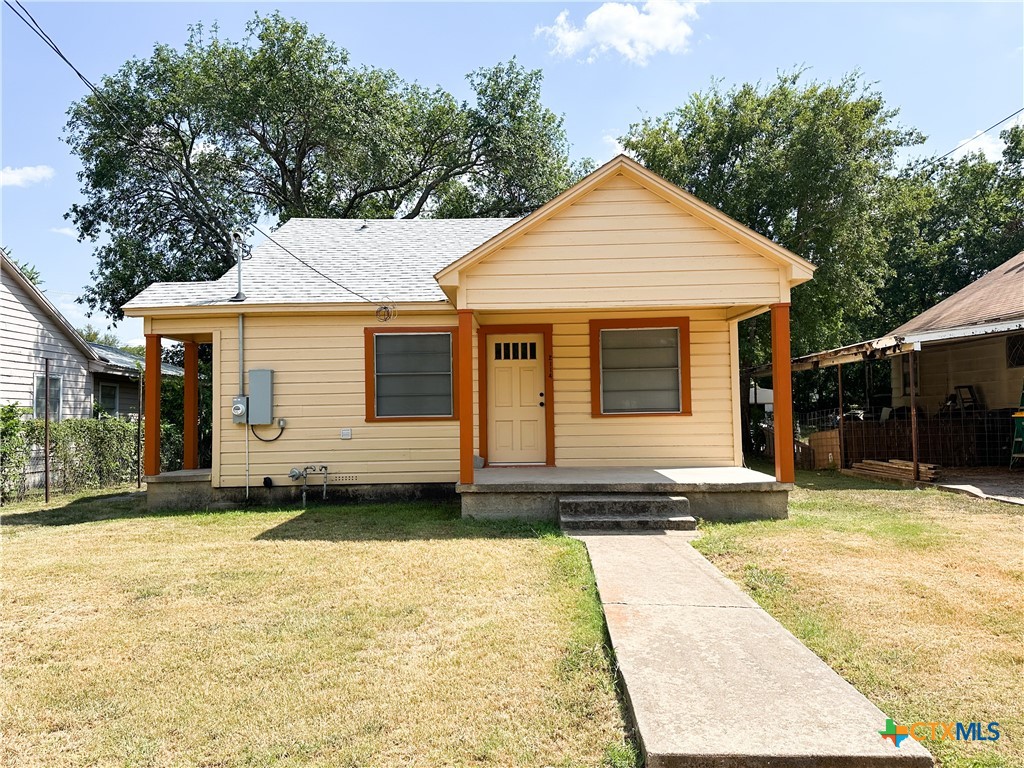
{"x": 11, "y": 270}
{"x": 994, "y": 297}
{"x": 383, "y": 260}
{"x": 801, "y": 269}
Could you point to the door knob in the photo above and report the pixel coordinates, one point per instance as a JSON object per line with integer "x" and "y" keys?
{"x": 541, "y": 403}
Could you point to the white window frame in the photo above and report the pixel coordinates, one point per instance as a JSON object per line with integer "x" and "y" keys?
{"x": 60, "y": 396}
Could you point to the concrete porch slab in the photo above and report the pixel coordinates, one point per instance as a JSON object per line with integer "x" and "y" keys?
{"x": 714, "y": 493}
{"x": 713, "y": 680}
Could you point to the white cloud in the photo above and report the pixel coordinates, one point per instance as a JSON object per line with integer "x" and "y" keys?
{"x": 66, "y": 231}
{"x": 23, "y": 177}
{"x": 635, "y": 33}
{"x": 988, "y": 144}
{"x": 613, "y": 144}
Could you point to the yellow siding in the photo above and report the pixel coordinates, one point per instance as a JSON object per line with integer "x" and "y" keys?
{"x": 704, "y": 439}
{"x": 622, "y": 246}
{"x": 319, "y": 388}
{"x": 980, "y": 362}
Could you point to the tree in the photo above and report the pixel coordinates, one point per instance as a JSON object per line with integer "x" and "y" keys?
{"x": 806, "y": 164}
{"x": 94, "y": 335}
{"x": 967, "y": 217}
{"x": 185, "y": 146}
{"x": 31, "y": 273}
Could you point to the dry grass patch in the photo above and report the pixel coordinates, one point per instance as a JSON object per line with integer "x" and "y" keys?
{"x": 915, "y": 597}
{"x": 387, "y": 635}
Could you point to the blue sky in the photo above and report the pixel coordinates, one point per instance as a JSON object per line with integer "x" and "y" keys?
{"x": 951, "y": 68}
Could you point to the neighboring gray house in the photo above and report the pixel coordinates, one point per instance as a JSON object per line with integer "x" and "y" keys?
{"x": 85, "y": 379}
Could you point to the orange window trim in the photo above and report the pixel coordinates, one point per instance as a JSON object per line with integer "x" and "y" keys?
{"x": 596, "y": 326}
{"x": 371, "y": 378}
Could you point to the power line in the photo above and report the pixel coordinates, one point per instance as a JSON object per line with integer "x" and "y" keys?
{"x": 116, "y": 114}
{"x": 311, "y": 267}
{"x": 973, "y": 138}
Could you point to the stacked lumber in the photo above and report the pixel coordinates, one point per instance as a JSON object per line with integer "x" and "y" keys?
{"x": 896, "y": 469}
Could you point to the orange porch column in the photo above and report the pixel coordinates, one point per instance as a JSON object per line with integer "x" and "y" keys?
{"x": 151, "y": 459}
{"x": 465, "y": 398}
{"x": 782, "y": 386}
{"x": 191, "y": 426}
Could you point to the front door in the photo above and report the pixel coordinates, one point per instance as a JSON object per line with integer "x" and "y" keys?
{"x": 515, "y": 399}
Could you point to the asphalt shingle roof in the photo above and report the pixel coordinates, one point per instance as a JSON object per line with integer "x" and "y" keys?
{"x": 994, "y": 297}
{"x": 384, "y": 260}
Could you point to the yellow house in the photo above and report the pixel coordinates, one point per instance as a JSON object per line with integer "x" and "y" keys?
{"x": 592, "y": 342}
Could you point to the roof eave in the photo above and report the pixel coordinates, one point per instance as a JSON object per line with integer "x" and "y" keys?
{"x": 44, "y": 303}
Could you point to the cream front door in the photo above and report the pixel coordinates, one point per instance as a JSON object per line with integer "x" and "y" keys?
{"x": 515, "y": 399}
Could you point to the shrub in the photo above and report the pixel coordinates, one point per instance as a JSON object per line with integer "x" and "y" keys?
{"x": 13, "y": 452}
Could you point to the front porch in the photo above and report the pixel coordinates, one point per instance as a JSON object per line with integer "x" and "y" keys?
{"x": 714, "y": 493}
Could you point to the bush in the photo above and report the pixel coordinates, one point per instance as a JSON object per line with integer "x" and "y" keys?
{"x": 13, "y": 452}
{"x": 88, "y": 453}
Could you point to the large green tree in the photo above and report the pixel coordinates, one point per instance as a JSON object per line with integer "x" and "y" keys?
{"x": 184, "y": 146}
{"x": 959, "y": 219}
{"x": 804, "y": 163}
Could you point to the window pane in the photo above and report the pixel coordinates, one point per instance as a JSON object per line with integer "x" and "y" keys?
{"x": 40, "y": 397}
{"x": 108, "y": 397}
{"x": 640, "y": 370}
{"x": 414, "y": 353}
{"x": 413, "y": 374}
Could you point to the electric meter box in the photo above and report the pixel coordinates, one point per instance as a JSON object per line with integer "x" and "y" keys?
{"x": 261, "y": 396}
{"x": 239, "y": 406}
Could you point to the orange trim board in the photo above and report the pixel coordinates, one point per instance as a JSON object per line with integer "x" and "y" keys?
{"x": 371, "y": 379}
{"x": 782, "y": 386}
{"x": 682, "y": 323}
{"x": 549, "y": 382}
{"x": 151, "y": 460}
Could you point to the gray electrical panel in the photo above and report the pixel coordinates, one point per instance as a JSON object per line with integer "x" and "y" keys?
{"x": 261, "y": 396}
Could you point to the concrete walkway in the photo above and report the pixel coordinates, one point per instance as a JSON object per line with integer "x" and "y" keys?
{"x": 713, "y": 681}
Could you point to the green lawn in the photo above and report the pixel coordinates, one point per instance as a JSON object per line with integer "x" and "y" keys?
{"x": 915, "y": 597}
{"x": 386, "y": 635}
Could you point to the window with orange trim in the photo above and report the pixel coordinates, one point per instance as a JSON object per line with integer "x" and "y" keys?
{"x": 640, "y": 367}
{"x": 410, "y": 374}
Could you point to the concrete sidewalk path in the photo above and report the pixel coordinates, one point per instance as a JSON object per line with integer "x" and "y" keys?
{"x": 713, "y": 681}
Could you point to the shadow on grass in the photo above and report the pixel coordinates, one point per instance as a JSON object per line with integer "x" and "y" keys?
{"x": 399, "y": 521}
{"x": 380, "y": 521}
{"x": 84, "y": 509}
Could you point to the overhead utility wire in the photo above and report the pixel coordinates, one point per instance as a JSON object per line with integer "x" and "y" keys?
{"x": 311, "y": 267}
{"x": 973, "y": 138}
{"x": 42, "y": 35}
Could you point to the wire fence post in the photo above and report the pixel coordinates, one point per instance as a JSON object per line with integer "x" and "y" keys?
{"x": 842, "y": 444}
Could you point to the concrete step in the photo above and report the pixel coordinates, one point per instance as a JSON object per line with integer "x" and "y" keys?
{"x": 574, "y": 522}
{"x": 625, "y": 511}
{"x": 624, "y": 504}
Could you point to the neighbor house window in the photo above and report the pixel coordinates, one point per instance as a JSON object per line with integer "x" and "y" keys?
{"x": 40, "y": 397}
{"x": 1015, "y": 351}
{"x": 107, "y": 398}
{"x": 410, "y": 374}
{"x": 640, "y": 367}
